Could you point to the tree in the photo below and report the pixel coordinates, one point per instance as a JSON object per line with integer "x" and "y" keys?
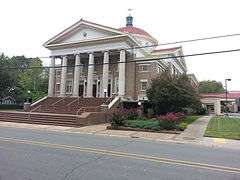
{"x": 170, "y": 93}
{"x": 210, "y": 86}
{"x": 33, "y": 80}
{"x": 6, "y": 80}
{"x": 22, "y": 77}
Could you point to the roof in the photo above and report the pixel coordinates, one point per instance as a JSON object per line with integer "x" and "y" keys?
{"x": 8, "y": 97}
{"x": 75, "y": 25}
{"x": 230, "y": 95}
{"x": 171, "y": 50}
{"x": 134, "y": 30}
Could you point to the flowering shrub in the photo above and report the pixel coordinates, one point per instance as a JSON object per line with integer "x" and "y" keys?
{"x": 168, "y": 121}
{"x": 180, "y": 115}
{"x": 118, "y": 117}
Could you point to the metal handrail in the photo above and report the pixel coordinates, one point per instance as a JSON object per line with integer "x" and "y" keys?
{"x": 73, "y": 102}
{"x": 39, "y": 107}
{"x": 80, "y": 110}
{"x": 58, "y": 101}
{"x": 109, "y": 99}
{"x": 84, "y": 108}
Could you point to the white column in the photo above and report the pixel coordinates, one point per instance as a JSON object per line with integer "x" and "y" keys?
{"x": 90, "y": 75}
{"x": 51, "y": 77}
{"x": 63, "y": 77}
{"x": 121, "y": 79}
{"x": 105, "y": 74}
{"x": 217, "y": 107}
{"x": 76, "y": 75}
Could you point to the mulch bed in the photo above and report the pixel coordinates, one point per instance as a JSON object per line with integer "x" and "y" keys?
{"x": 143, "y": 130}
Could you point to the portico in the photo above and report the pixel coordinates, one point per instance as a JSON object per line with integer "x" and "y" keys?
{"x": 90, "y": 74}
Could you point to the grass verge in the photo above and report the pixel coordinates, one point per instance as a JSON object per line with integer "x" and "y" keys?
{"x": 224, "y": 127}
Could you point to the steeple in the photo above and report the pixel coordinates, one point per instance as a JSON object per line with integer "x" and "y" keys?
{"x": 129, "y": 19}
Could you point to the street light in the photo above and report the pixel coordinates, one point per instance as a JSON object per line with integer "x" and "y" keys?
{"x": 226, "y": 80}
{"x": 28, "y": 98}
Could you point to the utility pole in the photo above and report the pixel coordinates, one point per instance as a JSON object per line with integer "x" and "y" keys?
{"x": 226, "y": 80}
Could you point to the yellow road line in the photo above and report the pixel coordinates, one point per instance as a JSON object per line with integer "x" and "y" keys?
{"x": 125, "y": 155}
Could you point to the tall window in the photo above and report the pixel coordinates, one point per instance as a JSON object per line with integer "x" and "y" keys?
{"x": 69, "y": 86}
{"x": 144, "y": 67}
{"x": 143, "y": 85}
{"x": 58, "y": 87}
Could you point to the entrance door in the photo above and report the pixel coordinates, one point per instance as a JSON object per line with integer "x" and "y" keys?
{"x": 81, "y": 88}
{"x": 109, "y": 90}
{"x": 94, "y": 90}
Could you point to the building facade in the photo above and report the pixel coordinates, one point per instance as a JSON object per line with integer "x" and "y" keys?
{"x": 216, "y": 102}
{"x": 100, "y": 61}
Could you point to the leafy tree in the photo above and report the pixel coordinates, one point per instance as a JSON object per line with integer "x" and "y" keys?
{"x": 21, "y": 78}
{"x": 6, "y": 80}
{"x": 170, "y": 93}
{"x": 33, "y": 80}
{"x": 210, "y": 86}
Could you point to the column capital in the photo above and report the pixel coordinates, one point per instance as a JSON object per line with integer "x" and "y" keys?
{"x": 64, "y": 56}
{"x": 91, "y": 52}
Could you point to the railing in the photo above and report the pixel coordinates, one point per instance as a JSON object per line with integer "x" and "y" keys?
{"x": 39, "y": 107}
{"x": 85, "y": 108}
{"x": 58, "y": 101}
{"x": 38, "y": 101}
{"x": 82, "y": 108}
{"x": 110, "y": 99}
{"x": 68, "y": 105}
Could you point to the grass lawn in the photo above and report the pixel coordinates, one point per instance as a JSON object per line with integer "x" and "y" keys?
{"x": 154, "y": 124}
{"x": 224, "y": 127}
{"x": 190, "y": 119}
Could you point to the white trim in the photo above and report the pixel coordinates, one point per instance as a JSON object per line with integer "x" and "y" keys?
{"x": 38, "y": 101}
{"x": 113, "y": 102}
{"x": 77, "y": 25}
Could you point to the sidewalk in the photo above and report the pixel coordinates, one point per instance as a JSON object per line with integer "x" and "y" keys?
{"x": 192, "y": 135}
{"x": 196, "y": 130}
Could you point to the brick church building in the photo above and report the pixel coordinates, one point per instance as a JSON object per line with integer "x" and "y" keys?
{"x": 101, "y": 61}
{"x": 100, "y": 66}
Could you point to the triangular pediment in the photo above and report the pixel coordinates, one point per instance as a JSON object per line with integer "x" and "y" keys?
{"x": 83, "y": 31}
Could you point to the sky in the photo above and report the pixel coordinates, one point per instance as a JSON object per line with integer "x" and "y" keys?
{"x": 25, "y": 25}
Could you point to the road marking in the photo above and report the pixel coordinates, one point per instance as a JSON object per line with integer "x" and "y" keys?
{"x": 125, "y": 155}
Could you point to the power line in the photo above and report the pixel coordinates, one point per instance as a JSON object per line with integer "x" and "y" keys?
{"x": 175, "y": 42}
{"x": 137, "y": 60}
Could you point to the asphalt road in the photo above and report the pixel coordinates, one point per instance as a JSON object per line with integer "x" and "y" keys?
{"x": 41, "y": 155}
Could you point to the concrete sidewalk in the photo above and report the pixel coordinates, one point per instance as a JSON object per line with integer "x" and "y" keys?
{"x": 192, "y": 135}
{"x": 196, "y": 130}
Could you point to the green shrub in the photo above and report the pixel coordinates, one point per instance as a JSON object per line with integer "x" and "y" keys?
{"x": 116, "y": 118}
{"x": 150, "y": 113}
{"x": 182, "y": 126}
{"x": 142, "y": 124}
{"x": 131, "y": 113}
